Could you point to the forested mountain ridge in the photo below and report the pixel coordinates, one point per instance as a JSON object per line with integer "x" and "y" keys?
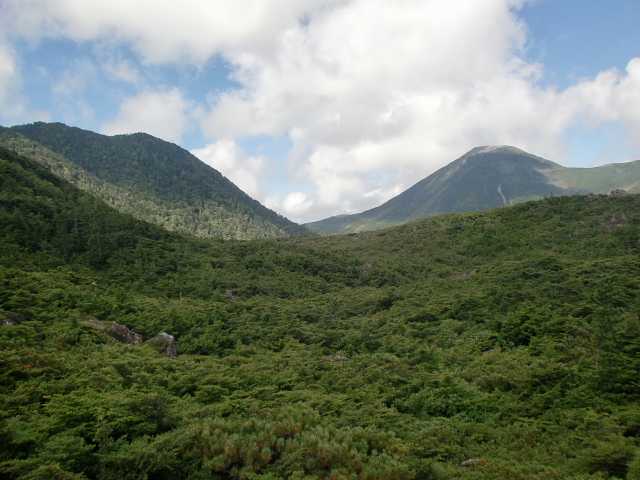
{"x": 152, "y": 179}
{"x": 502, "y": 344}
{"x": 484, "y": 178}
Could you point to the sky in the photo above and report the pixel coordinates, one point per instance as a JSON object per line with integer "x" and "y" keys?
{"x": 324, "y": 107}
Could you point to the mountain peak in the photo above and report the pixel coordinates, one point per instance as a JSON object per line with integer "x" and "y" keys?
{"x": 494, "y": 149}
{"x": 485, "y": 177}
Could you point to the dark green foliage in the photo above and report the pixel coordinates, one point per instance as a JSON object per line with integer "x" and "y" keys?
{"x": 151, "y": 179}
{"x": 510, "y": 336}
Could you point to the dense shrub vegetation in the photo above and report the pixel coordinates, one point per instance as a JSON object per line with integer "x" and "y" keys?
{"x": 510, "y": 338}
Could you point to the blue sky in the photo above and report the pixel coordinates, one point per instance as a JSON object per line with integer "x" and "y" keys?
{"x": 577, "y": 38}
{"x": 323, "y": 107}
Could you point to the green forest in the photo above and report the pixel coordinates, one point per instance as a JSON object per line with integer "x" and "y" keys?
{"x": 495, "y": 345}
{"x": 154, "y": 180}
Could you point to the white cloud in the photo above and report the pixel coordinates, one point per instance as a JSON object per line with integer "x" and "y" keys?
{"x": 229, "y": 159}
{"x": 8, "y": 72}
{"x": 297, "y": 204}
{"x": 162, "y": 30}
{"x": 12, "y": 102}
{"x": 610, "y": 97}
{"x": 123, "y": 70}
{"x": 69, "y": 91}
{"x": 165, "y": 114}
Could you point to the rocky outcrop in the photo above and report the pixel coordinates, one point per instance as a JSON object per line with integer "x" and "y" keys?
{"x": 618, "y": 193}
{"x": 10, "y": 318}
{"x": 94, "y": 323}
{"x": 115, "y": 331}
{"x": 618, "y": 220}
{"x": 337, "y": 357}
{"x": 458, "y": 276}
{"x": 164, "y": 343}
{"x": 367, "y": 266}
{"x": 123, "y": 334}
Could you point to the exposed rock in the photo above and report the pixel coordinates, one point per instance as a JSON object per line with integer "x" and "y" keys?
{"x": 94, "y": 323}
{"x": 590, "y": 196}
{"x": 367, "y": 266}
{"x": 618, "y": 220}
{"x": 116, "y": 331}
{"x": 606, "y": 226}
{"x": 10, "y": 318}
{"x": 473, "y": 461}
{"x": 337, "y": 357}
{"x": 463, "y": 275}
{"x": 618, "y": 193}
{"x": 165, "y": 343}
{"x": 229, "y": 294}
{"x": 122, "y": 333}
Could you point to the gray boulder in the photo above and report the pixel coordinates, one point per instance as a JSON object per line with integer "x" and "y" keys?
{"x": 164, "y": 343}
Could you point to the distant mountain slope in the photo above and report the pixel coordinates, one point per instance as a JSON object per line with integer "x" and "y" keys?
{"x": 484, "y": 178}
{"x": 152, "y": 179}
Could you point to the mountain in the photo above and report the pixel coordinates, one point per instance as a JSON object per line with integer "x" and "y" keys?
{"x": 152, "y": 179}
{"x": 513, "y": 330}
{"x": 484, "y": 178}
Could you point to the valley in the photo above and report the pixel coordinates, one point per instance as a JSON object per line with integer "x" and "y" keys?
{"x": 497, "y": 344}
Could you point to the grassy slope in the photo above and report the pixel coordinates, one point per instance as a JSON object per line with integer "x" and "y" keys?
{"x": 601, "y": 179}
{"x": 509, "y": 335}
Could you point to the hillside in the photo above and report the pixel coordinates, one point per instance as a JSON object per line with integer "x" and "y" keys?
{"x": 152, "y": 179}
{"x": 484, "y": 178}
{"x": 502, "y": 344}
